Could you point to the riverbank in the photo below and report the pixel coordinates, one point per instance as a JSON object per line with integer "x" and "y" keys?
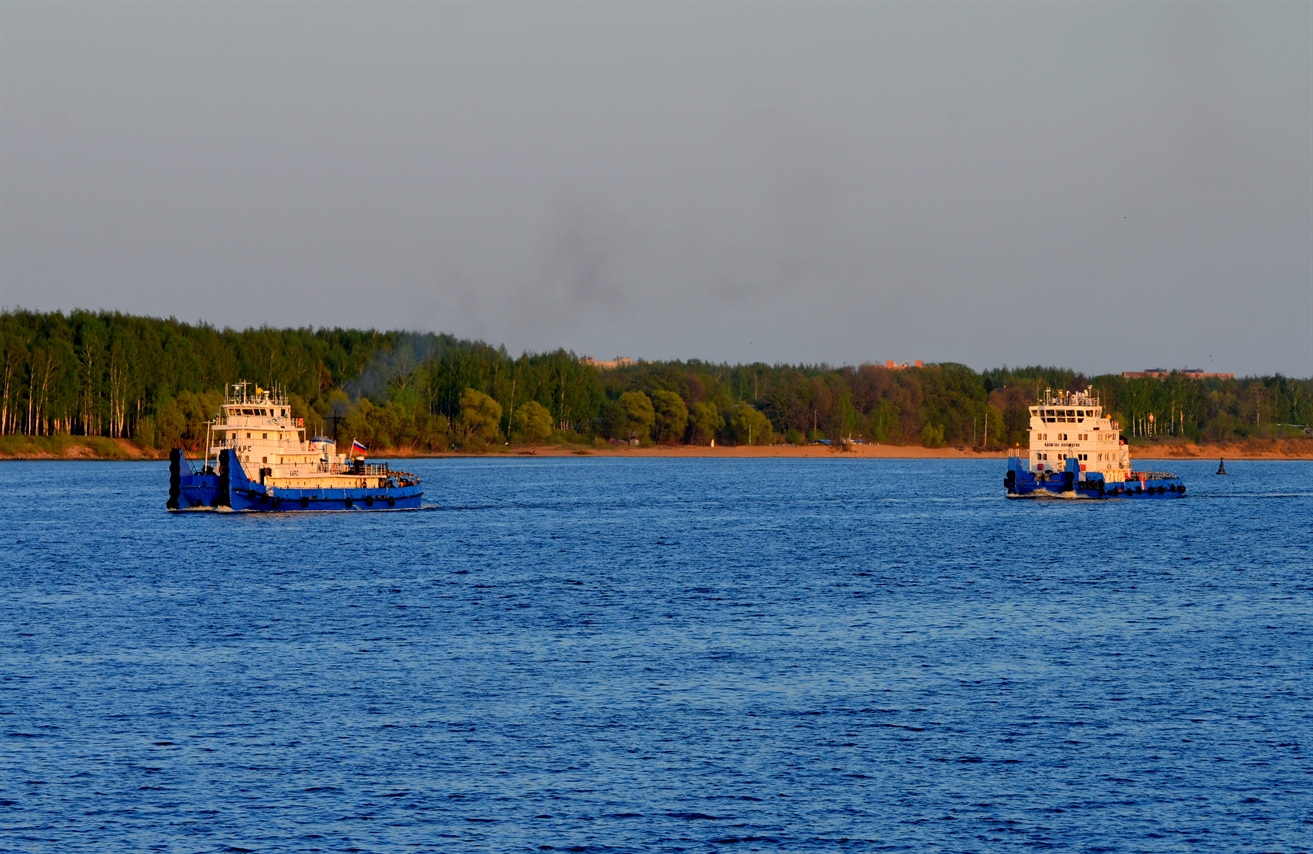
{"x": 75, "y": 448}
{"x": 99, "y": 448}
{"x": 1258, "y": 449}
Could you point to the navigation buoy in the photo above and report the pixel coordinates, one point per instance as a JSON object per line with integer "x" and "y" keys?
{"x": 1221, "y": 466}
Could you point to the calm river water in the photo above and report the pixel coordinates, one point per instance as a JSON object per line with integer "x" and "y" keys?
{"x": 602, "y": 654}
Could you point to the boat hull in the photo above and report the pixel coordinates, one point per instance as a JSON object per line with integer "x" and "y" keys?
{"x": 231, "y": 489}
{"x": 1020, "y": 483}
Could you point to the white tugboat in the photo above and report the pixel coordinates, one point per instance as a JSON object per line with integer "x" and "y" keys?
{"x": 257, "y": 433}
{"x": 1077, "y": 451}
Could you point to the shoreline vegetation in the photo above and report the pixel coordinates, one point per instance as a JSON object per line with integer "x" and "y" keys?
{"x": 105, "y": 385}
{"x": 101, "y": 448}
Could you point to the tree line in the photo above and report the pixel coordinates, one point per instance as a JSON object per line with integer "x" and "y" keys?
{"x": 158, "y": 381}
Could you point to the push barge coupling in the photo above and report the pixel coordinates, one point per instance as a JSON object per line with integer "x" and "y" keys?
{"x": 1078, "y": 452}
{"x": 259, "y": 459}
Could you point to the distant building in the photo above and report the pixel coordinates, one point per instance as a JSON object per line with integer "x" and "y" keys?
{"x": 894, "y": 366}
{"x": 617, "y": 362}
{"x": 1163, "y": 373}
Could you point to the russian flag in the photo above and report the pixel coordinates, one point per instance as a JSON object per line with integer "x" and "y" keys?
{"x": 357, "y": 449}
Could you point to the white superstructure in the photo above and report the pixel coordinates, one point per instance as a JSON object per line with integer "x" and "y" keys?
{"x": 272, "y": 447}
{"x": 1072, "y": 424}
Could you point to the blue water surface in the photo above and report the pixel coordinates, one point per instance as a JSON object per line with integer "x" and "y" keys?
{"x": 608, "y": 654}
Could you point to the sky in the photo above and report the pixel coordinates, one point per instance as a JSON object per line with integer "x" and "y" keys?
{"x": 1103, "y": 186}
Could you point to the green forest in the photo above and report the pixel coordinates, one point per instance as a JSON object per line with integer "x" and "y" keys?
{"x": 158, "y": 382}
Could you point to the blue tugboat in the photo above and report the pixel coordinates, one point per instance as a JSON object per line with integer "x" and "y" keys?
{"x": 1078, "y": 452}
{"x": 258, "y": 458}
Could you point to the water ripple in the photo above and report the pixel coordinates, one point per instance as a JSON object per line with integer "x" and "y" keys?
{"x": 614, "y": 655}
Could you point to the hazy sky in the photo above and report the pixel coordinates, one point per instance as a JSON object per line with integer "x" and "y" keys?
{"x": 1101, "y": 186}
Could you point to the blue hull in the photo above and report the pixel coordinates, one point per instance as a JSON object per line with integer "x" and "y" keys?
{"x": 1021, "y": 483}
{"x": 230, "y": 488}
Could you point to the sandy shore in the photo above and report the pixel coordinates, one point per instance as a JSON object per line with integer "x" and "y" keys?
{"x": 767, "y": 451}
{"x": 1279, "y": 449}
